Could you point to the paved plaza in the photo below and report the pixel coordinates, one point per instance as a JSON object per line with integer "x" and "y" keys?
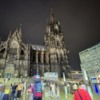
{"x": 46, "y": 93}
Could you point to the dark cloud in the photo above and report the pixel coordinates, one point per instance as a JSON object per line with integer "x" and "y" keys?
{"x": 80, "y": 22}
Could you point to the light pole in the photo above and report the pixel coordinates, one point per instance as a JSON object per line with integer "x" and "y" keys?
{"x": 64, "y": 78}
{"x": 37, "y": 69}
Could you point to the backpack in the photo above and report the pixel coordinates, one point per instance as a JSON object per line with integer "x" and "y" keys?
{"x": 37, "y": 87}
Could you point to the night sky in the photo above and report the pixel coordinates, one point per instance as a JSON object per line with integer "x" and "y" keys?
{"x": 80, "y": 22}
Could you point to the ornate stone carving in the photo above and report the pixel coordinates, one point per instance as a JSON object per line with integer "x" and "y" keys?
{"x": 12, "y": 54}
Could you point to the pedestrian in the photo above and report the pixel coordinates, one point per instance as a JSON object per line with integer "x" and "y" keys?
{"x": 75, "y": 87}
{"x": 57, "y": 92}
{"x": 6, "y": 94}
{"x": 83, "y": 86}
{"x": 24, "y": 86}
{"x": 81, "y": 94}
{"x": 13, "y": 91}
{"x": 2, "y": 88}
{"x": 71, "y": 88}
{"x": 52, "y": 89}
{"x": 31, "y": 92}
{"x": 68, "y": 86}
{"x": 37, "y": 88}
{"x": 19, "y": 90}
{"x": 66, "y": 90}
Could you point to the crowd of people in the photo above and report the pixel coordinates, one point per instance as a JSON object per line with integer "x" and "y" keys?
{"x": 16, "y": 91}
{"x": 39, "y": 87}
{"x": 78, "y": 90}
{"x": 9, "y": 93}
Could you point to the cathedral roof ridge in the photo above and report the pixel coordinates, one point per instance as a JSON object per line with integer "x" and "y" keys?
{"x": 38, "y": 47}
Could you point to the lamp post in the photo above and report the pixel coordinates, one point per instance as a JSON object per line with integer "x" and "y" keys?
{"x": 43, "y": 69}
{"x": 37, "y": 69}
{"x": 64, "y": 78}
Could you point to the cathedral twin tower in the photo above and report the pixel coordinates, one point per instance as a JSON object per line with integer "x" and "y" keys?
{"x": 20, "y": 59}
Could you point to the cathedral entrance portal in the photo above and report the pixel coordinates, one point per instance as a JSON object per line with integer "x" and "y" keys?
{"x": 9, "y": 71}
{"x": 8, "y": 75}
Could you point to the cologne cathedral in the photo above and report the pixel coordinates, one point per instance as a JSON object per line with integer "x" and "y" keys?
{"x": 22, "y": 59}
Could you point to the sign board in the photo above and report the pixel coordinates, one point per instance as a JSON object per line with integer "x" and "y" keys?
{"x": 93, "y": 79}
{"x": 51, "y": 76}
{"x": 96, "y": 89}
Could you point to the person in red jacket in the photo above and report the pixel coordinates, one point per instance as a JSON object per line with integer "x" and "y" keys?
{"x": 81, "y": 94}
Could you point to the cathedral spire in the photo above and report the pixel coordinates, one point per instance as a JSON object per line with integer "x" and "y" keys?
{"x": 9, "y": 36}
{"x": 20, "y": 30}
{"x": 16, "y": 30}
{"x": 52, "y": 19}
{"x": 48, "y": 27}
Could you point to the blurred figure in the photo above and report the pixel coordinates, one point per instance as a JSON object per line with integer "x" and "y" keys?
{"x": 52, "y": 89}
{"x": 81, "y": 94}
{"x": 13, "y": 91}
{"x": 71, "y": 88}
{"x": 31, "y": 92}
{"x": 19, "y": 90}
{"x": 6, "y": 94}
{"x": 68, "y": 86}
{"x": 66, "y": 90}
{"x": 57, "y": 92}
{"x": 24, "y": 86}
{"x": 87, "y": 88}
{"x": 75, "y": 87}
{"x": 83, "y": 86}
{"x": 2, "y": 88}
{"x": 37, "y": 87}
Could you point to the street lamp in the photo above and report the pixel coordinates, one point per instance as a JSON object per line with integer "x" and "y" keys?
{"x": 37, "y": 69}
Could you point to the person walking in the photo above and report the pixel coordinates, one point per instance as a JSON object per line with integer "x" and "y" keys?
{"x": 57, "y": 92}
{"x": 19, "y": 90}
{"x": 87, "y": 88}
{"x": 2, "y": 88}
{"x": 6, "y": 94}
{"x": 81, "y": 94}
{"x": 31, "y": 92}
{"x": 37, "y": 88}
{"x": 75, "y": 87}
{"x": 68, "y": 86}
{"x": 52, "y": 89}
{"x": 13, "y": 91}
{"x": 24, "y": 87}
{"x": 66, "y": 90}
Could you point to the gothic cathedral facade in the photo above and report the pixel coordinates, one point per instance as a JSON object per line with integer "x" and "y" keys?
{"x": 22, "y": 59}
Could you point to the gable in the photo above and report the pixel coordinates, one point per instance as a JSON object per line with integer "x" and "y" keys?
{"x": 14, "y": 44}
